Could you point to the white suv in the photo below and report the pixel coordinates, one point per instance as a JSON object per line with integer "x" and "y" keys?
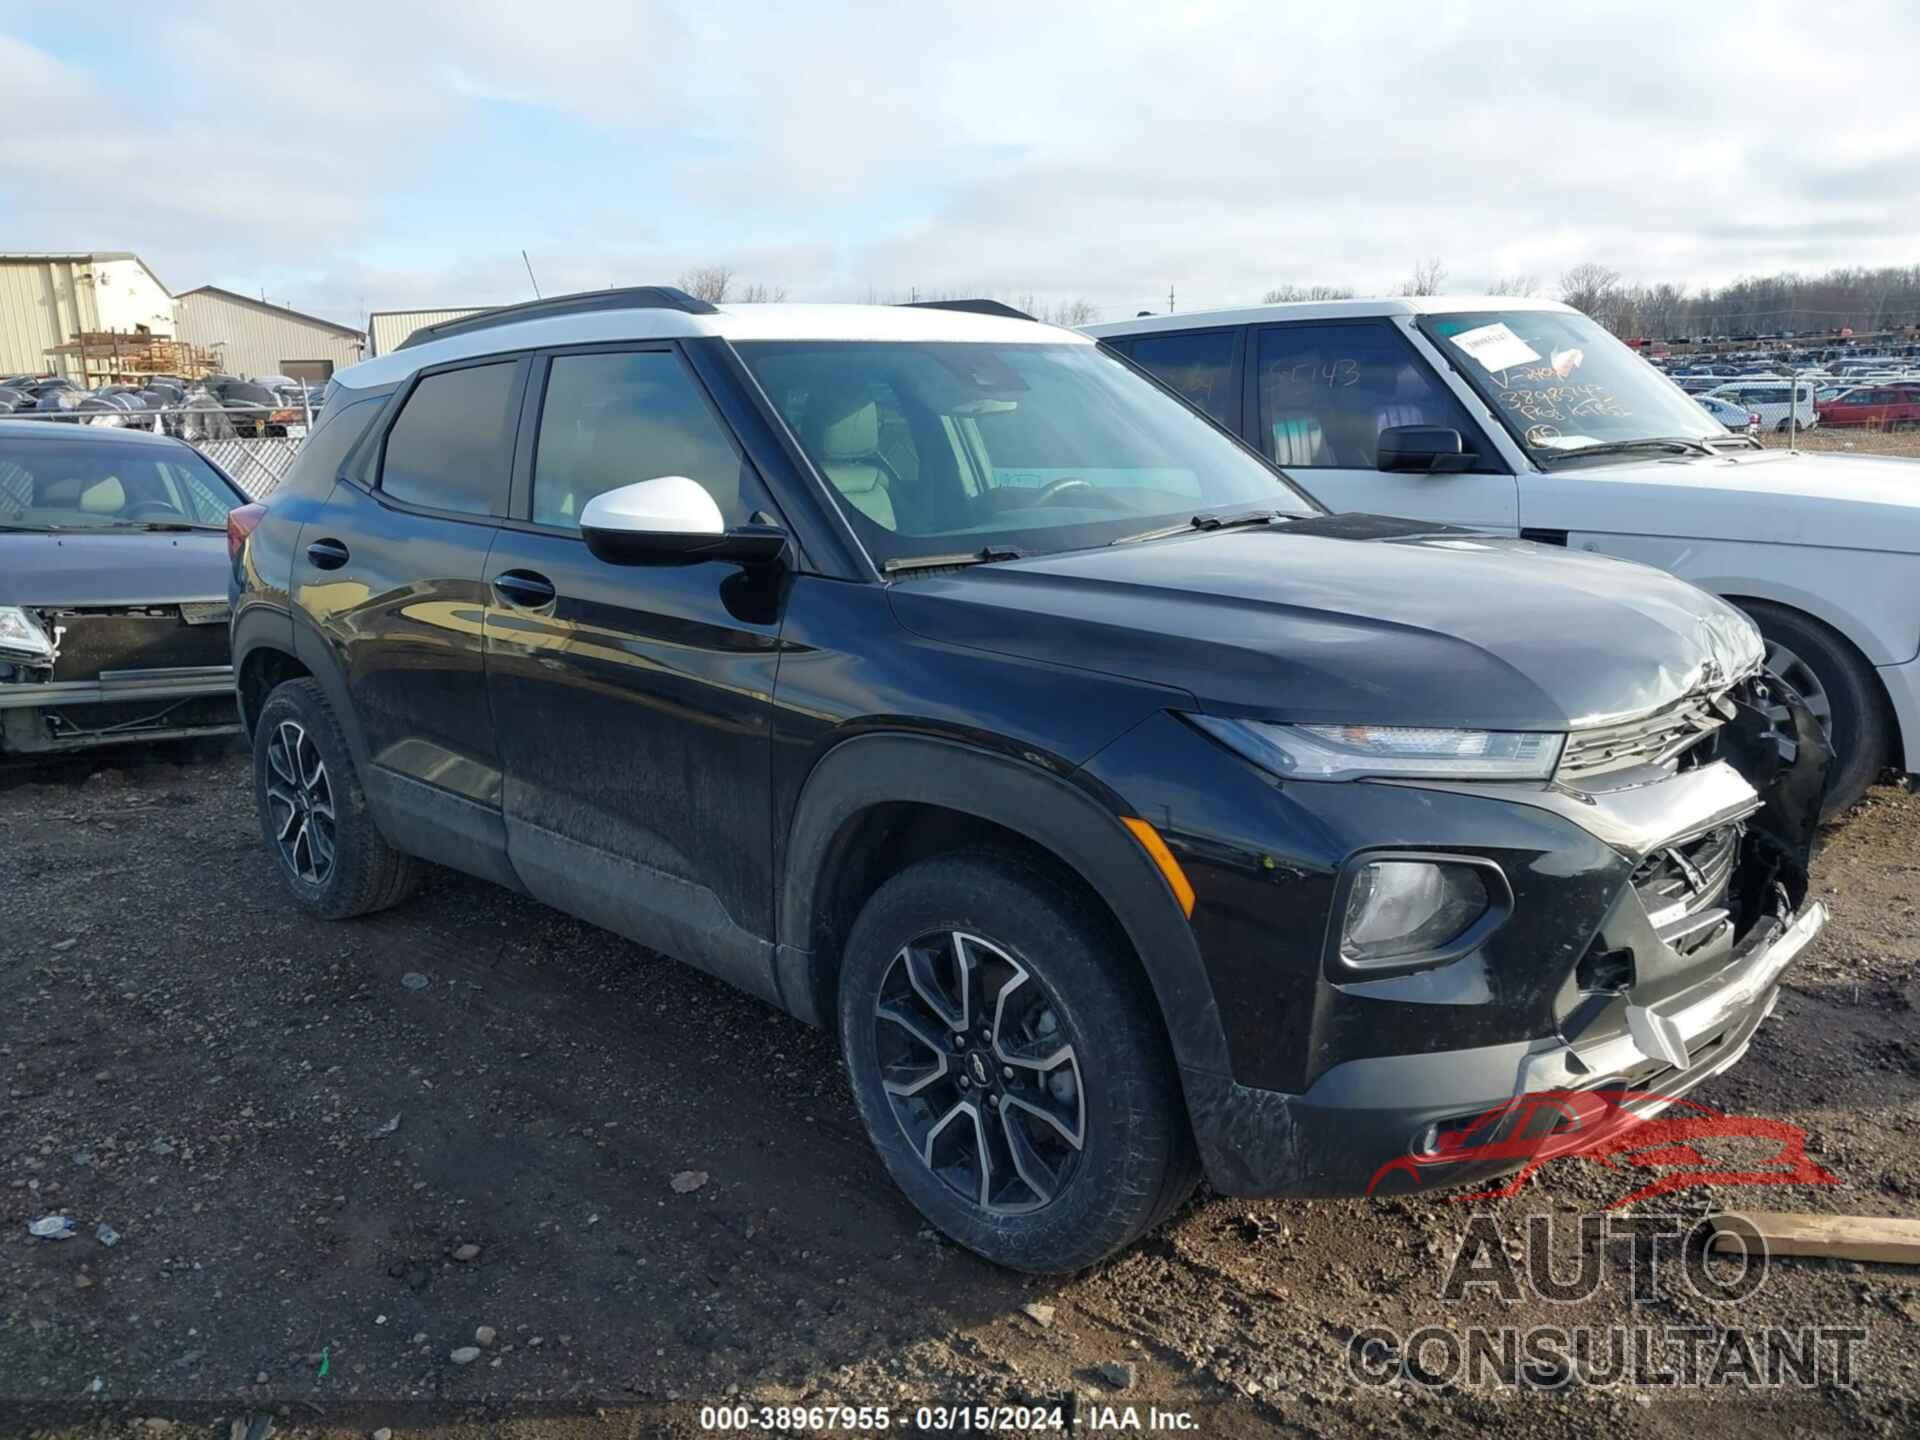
{"x": 1525, "y": 417}
{"x": 1768, "y": 399}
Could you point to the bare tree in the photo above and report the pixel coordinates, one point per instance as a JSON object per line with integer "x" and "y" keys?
{"x": 759, "y": 294}
{"x": 1525, "y": 286}
{"x": 707, "y": 282}
{"x": 1427, "y": 279}
{"x": 1282, "y": 294}
{"x": 1073, "y": 312}
{"x": 1593, "y": 288}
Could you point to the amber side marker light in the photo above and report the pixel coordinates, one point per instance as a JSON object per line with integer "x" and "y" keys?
{"x": 1156, "y": 849}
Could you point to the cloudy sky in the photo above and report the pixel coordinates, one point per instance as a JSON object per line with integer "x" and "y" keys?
{"x": 346, "y": 157}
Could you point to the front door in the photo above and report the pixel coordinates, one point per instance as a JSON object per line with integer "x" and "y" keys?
{"x": 633, "y": 702}
{"x": 1323, "y": 392}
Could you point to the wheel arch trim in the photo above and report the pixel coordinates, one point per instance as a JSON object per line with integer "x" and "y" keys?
{"x": 1061, "y": 817}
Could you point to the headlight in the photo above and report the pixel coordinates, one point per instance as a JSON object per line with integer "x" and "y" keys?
{"x": 20, "y": 638}
{"x": 1353, "y": 752}
{"x": 1399, "y": 910}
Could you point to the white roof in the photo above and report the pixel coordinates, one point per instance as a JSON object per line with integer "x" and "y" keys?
{"x": 1320, "y": 310}
{"x": 731, "y": 322}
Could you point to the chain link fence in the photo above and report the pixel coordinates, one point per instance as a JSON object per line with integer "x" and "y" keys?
{"x": 257, "y": 463}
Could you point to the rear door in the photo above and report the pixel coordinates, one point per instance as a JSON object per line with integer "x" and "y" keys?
{"x": 633, "y": 702}
{"x": 389, "y": 570}
{"x": 1322, "y": 391}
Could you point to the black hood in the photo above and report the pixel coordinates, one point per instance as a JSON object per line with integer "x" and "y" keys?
{"x": 124, "y": 567}
{"x": 1309, "y": 623}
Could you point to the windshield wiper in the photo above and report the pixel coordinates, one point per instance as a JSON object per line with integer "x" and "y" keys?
{"x": 986, "y": 555}
{"x": 1204, "y": 521}
{"x": 1672, "y": 444}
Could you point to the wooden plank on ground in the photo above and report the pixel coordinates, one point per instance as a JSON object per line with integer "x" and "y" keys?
{"x": 1837, "y": 1237}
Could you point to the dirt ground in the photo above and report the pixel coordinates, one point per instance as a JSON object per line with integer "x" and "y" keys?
{"x": 325, "y": 1181}
{"x": 1852, "y": 440}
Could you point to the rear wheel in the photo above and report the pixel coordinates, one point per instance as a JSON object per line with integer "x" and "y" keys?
{"x": 313, "y": 813}
{"x": 1840, "y": 689}
{"x": 1010, "y": 1063}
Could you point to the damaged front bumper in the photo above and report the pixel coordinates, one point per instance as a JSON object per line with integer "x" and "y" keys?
{"x": 90, "y": 689}
{"x": 1666, "y": 991}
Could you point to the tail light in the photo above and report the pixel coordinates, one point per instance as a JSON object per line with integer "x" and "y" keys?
{"x": 241, "y": 521}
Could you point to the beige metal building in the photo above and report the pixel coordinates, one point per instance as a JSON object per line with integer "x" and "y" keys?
{"x": 251, "y": 337}
{"x": 48, "y": 298}
{"x": 387, "y": 330}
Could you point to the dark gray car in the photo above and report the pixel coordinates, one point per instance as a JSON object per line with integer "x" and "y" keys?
{"x": 113, "y": 589}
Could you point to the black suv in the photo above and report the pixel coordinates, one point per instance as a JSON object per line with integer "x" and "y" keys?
{"x": 940, "y": 677}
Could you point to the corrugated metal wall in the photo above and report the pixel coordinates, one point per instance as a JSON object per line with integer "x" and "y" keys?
{"x": 389, "y": 329}
{"x": 256, "y": 342}
{"x": 43, "y": 303}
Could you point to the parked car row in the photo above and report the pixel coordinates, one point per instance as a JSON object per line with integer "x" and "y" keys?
{"x": 214, "y": 407}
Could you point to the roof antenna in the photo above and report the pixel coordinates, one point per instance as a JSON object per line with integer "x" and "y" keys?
{"x": 530, "y": 280}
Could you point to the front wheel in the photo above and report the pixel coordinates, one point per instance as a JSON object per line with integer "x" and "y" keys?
{"x": 1839, "y": 687}
{"x": 1010, "y": 1063}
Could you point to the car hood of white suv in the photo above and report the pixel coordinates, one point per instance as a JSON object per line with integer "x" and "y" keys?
{"x": 1775, "y": 497}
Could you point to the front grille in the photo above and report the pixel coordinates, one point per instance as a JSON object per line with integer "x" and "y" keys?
{"x": 1683, "y": 887}
{"x": 1660, "y": 739}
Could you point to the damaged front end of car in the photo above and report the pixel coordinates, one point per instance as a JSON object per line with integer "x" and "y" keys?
{"x": 1718, "y": 811}
{"x": 1643, "y": 905}
{"x": 73, "y": 677}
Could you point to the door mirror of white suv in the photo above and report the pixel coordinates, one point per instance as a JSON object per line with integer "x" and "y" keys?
{"x": 671, "y": 518}
{"x": 1425, "y": 449}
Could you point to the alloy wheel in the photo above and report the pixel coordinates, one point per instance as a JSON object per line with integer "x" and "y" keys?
{"x": 979, "y": 1070}
{"x": 1800, "y": 678}
{"x": 300, "y": 802}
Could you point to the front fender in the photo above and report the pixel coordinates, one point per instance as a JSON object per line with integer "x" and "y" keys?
{"x": 1073, "y": 818}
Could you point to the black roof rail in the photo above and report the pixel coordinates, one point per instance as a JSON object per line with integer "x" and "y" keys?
{"x": 634, "y": 297}
{"x": 971, "y": 307}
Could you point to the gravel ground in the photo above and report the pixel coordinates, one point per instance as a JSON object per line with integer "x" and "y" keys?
{"x": 652, "y": 1192}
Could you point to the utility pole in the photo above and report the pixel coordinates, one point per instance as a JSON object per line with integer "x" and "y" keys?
{"x": 1169, "y": 299}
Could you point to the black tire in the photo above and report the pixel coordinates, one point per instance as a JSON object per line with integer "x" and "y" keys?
{"x": 1838, "y": 683}
{"x": 1135, "y": 1162}
{"x": 346, "y": 867}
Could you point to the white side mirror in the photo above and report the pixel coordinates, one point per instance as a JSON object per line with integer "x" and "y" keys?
{"x": 674, "y": 520}
{"x": 669, "y": 505}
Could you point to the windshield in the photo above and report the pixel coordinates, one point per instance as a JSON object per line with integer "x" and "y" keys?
{"x": 957, "y": 448}
{"x": 1561, "y": 383}
{"x": 82, "y": 484}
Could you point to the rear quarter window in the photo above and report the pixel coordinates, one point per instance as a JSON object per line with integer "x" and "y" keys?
{"x": 340, "y": 428}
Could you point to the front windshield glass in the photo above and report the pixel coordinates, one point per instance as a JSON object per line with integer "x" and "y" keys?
{"x": 1561, "y": 383}
{"x": 82, "y": 484}
{"x": 954, "y": 448}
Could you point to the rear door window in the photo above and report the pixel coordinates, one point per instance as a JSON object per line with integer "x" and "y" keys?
{"x": 1328, "y": 390}
{"x": 452, "y": 446}
{"x": 1204, "y": 366}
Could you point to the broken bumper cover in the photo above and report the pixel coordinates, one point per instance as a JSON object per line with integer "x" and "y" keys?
{"x": 1334, "y": 1138}
{"x": 115, "y": 686}
{"x": 117, "y": 707}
